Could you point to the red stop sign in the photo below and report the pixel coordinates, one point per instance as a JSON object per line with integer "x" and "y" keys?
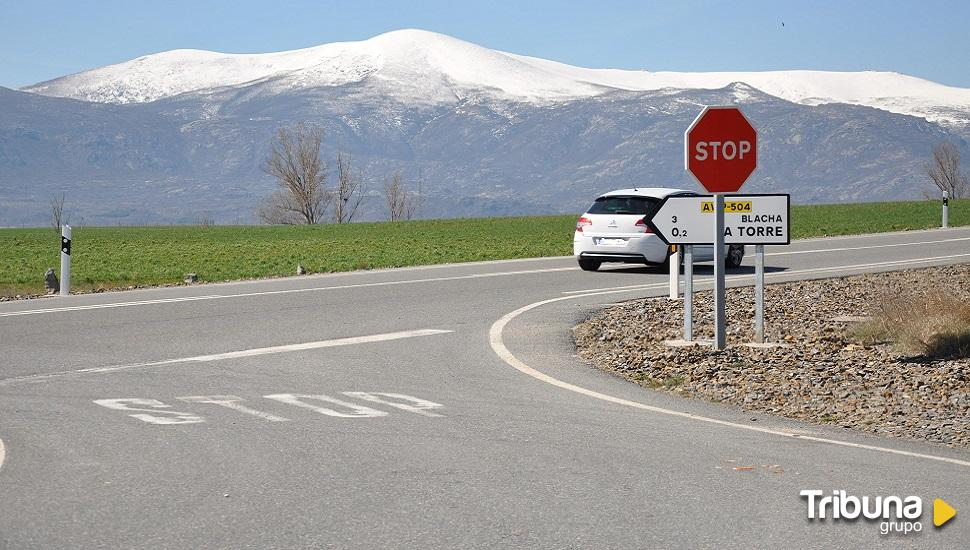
{"x": 721, "y": 149}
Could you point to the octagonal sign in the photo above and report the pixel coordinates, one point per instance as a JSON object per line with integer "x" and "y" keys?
{"x": 721, "y": 149}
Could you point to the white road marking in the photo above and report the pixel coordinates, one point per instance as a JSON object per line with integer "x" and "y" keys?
{"x": 782, "y": 274}
{"x": 155, "y": 407}
{"x": 498, "y": 346}
{"x": 275, "y": 292}
{"x": 3, "y": 454}
{"x": 356, "y": 411}
{"x": 233, "y": 355}
{"x": 232, "y": 402}
{"x": 849, "y": 248}
{"x": 399, "y": 401}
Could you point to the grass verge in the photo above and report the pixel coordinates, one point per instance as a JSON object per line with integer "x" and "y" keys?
{"x": 112, "y": 257}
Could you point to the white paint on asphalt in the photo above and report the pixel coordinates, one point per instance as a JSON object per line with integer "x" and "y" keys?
{"x": 850, "y": 248}
{"x": 155, "y": 407}
{"x": 3, "y": 454}
{"x": 232, "y": 355}
{"x": 837, "y": 270}
{"x": 275, "y": 292}
{"x": 399, "y": 401}
{"x": 498, "y": 346}
{"x": 232, "y": 402}
{"x": 353, "y": 410}
{"x": 315, "y": 345}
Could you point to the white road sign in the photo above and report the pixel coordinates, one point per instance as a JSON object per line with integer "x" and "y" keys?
{"x": 748, "y": 219}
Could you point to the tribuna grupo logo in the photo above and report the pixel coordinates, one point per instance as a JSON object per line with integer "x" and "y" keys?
{"x": 896, "y": 514}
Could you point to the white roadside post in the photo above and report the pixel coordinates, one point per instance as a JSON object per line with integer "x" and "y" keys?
{"x": 720, "y": 339}
{"x": 946, "y": 210}
{"x": 65, "y": 260}
{"x": 674, "y": 272}
{"x": 759, "y": 294}
{"x": 688, "y": 293}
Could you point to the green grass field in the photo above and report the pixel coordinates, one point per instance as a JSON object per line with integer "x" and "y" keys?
{"x": 108, "y": 257}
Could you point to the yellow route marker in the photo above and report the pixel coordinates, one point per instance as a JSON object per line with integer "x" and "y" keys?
{"x": 942, "y": 512}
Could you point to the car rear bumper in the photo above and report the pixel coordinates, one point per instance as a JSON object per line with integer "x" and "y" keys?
{"x": 646, "y": 249}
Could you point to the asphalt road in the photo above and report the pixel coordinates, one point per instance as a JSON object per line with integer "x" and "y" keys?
{"x": 437, "y": 407}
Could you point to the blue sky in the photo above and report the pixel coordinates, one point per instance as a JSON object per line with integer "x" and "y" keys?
{"x": 40, "y": 40}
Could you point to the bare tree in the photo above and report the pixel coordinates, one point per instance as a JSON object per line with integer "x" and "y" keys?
{"x": 401, "y": 203}
{"x": 349, "y": 192}
{"x": 945, "y": 172}
{"x": 59, "y": 216}
{"x": 301, "y": 174}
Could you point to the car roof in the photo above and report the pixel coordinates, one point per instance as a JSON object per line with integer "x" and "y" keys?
{"x": 655, "y": 192}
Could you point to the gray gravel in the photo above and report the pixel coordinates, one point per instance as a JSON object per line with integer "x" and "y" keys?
{"x": 821, "y": 375}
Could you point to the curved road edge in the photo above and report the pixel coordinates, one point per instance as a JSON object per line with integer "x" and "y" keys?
{"x": 495, "y": 337}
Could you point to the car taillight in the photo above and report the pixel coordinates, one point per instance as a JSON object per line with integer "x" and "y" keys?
{"x": 583, "y": 222}
{"x": 642, "y": 225}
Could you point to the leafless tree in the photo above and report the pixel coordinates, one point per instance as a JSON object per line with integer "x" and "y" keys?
{"x": 301, "y": 174}
{"x": 205, "y": 220}
{"x": 945, "y": 172}
{"x": 349, "y": 192}
{"x": 59, "y": 216}
{"x": 401, "y": 203}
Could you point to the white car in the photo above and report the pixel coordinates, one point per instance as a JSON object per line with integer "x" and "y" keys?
{"x": 614, "y": 229}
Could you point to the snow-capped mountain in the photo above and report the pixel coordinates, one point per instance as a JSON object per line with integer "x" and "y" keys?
{"x": 167, "y": 137}
{"x": 421, "y": 66}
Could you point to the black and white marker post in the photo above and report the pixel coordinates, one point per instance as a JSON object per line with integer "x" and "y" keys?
{"x": 65, "y": 260}
{"x": 946, "y": 210}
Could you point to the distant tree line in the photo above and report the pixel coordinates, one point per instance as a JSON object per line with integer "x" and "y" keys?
{"x": 303, "y": 194}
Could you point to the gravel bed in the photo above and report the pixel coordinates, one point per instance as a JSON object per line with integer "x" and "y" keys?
{"x": 821, "y": 375}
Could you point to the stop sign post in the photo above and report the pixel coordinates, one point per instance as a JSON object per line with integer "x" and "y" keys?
{"x": 720, "y": 152}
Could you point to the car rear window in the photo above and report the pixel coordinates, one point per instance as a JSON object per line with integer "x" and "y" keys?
{"x": 640, "y": 206}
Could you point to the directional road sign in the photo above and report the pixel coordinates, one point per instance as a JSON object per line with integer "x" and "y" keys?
{"x": 748, "y": 219}
{"x": 721, "y": 149}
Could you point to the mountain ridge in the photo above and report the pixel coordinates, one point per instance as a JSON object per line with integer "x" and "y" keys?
{"x": 483, "y": 138}
{"x": 428, "y": 67}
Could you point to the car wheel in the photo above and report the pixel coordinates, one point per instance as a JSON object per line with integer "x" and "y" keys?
{"x": 589, "y": 265}
{"x": 734, "y": 255}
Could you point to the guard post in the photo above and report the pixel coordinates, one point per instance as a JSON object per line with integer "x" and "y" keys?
{"x": 65, "y": 260}
{"x": 674, "y": 261}
{"x": 946, "y": 210}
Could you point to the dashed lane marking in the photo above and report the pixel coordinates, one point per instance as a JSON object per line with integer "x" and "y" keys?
{"x": 231, "y": 355}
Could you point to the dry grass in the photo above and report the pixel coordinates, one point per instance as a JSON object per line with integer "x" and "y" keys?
{"x": 935, "y": 324}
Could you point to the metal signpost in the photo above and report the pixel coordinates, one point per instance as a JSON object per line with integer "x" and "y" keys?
{"x": 757, "y": 220}
{"x": 720, "y": 151}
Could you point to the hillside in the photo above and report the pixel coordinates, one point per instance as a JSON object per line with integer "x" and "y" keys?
{"x": 176, "y": 136}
